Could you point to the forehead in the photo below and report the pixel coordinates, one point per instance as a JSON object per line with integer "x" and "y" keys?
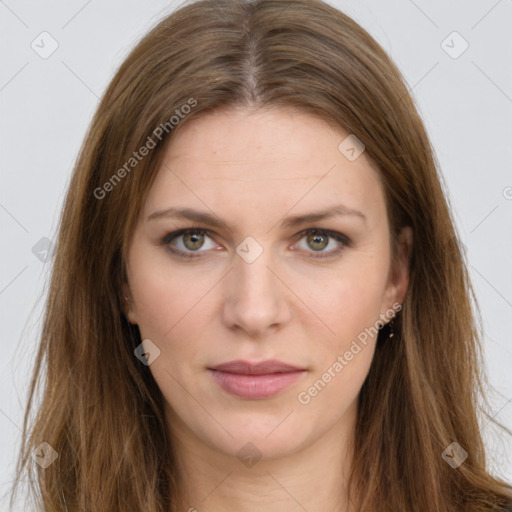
{"x": 237, "y": 136}
{"x": 234, "y": 160}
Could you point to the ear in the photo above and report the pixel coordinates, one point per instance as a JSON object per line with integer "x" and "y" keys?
{"x": 128, "y": 304}
{"x": 398, "y": 280}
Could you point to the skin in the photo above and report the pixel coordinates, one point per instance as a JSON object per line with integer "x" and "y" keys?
{"x": 252, "y": 168}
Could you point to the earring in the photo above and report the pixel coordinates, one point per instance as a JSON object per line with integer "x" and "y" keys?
{"x": 386, "y": 331}
{"x": 391, "y": 331}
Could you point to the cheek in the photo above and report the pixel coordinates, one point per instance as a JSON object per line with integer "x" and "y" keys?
{"x": 356, "y": 305}
{"x": 157, "y": 308}
{"x": 163, "y": 295}
{"x": 331, "y": 394}
{"x": 348, "y": 299}
{"x": 350, "y": 306}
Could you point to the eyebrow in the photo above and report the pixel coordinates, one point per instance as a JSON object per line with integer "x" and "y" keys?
{"x": 288, "y": 222}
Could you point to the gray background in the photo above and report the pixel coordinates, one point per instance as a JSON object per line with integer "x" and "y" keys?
{"x": 47, "y": 104}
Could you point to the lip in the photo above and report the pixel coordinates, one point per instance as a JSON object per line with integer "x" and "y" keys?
{"x": 255, "y": 380}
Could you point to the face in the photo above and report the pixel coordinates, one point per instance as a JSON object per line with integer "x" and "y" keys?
{"x": 247, "y": 281}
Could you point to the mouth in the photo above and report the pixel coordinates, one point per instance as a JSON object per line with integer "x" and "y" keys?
{"x": 255, "y": 381}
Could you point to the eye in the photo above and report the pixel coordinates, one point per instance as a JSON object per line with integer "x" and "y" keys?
{"x": 319, "y": 239}
{"x": 192, "y": 240}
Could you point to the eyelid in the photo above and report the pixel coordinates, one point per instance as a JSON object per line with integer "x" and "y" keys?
{"x": 339, "y": 237}
{"x": 170, "y": 237}
{"x": 175, "y": 234}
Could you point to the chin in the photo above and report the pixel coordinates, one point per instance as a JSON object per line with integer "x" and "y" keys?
{"x": 254, "y": 432}
{"x": 249, "y": 444}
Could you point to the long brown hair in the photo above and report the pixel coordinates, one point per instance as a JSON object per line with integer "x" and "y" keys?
{"x": 101, "y": 410}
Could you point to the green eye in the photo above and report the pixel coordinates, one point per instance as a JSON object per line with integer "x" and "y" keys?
{"x": 192, "y": 240}
{"x": 319, "y": 239}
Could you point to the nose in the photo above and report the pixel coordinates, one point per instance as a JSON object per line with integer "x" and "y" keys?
{"x": 256, "y": 299}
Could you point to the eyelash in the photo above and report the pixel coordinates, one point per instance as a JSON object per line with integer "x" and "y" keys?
{"x": 167, "y": 239}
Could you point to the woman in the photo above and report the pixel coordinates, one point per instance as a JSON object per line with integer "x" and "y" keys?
{"x": 258, "y": 285}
